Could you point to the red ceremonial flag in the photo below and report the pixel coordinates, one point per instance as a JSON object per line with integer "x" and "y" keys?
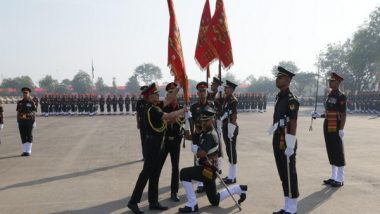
{"x": 219, "y": 37}
{"x": 205, "y": 53}
{"x": 176, "y": 61}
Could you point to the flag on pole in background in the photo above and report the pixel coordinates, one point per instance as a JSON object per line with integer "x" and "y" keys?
{"x": 92, "y": 68}
{"x": 205, "y": 53}
{"x": 176, "y": 61}
{"x": 219, "y": 37}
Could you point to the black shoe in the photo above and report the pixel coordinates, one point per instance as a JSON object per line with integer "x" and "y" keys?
{"x": 279, "y": 212}
{"x": 229, "y": 181}
{"x": 289, "y": 213}
{"x": 187, "y": 209}
{"x": 157, "y": 206}
{"x": 220, "y": 171}
{"x": 200, "y": 189}
{"x": 135, "y": 209}
{"x": 329, "y": 181}
{"x": 337, "y": 184}
{"x": 174, "y": 197}
{"x": 243, "y": 196}
{"x": 25, "y": 154}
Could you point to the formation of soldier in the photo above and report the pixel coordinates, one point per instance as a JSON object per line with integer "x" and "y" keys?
{"x": 365, "y": 102}
{"x": 248, "y": 102}
{"x": 87, "y": 104}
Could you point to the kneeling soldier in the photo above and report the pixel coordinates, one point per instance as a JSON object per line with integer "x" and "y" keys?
{"x": 207, "y": 168}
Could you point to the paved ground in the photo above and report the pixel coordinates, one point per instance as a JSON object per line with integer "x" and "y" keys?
{"x": 89, "y": 165}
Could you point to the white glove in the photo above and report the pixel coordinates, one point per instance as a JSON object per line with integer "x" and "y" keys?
{"x": 188, "y": 115}
{"x": 315, "y": 114}
{"x": 341, "y": 134}
{"x": 272, "y": 128}
{"x": 219, "y": 126}
{"x": 34, "y": 124}
{"x": 290, "y": 144}
{"x": 1, "y": 126}
{"x": 225, "y": 115}
{"x": 194, "y": 148}
{"x": 231, "y": 130}
{"x": 187, "y": 125}
{"x": 221, "y": 89}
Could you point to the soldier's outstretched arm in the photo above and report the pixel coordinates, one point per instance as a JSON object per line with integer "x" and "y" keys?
{"x": 174, "y": 114}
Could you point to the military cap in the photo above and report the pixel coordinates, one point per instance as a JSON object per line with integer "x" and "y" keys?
{"x": 207, "y": 113}
{"x": 335, "y": 76}
{"x": 230, "y": 84}
{"x": 151, "y": 89}
{"x": 283, "y": 72}
{"x": 202, "y": 85}
{"x": 217, "y": 81}
{"x": 171, "y": 86}
{"x": 26, "y": 89}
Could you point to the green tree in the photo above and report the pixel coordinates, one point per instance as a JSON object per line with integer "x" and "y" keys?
{"x": 18, "y": 82}
{"x": 148, "y": 73}
{"x": 230, "y": 77}
{"x": 304, "y": 83}
{"x": 133, "y": 86}
{"x": 82, "y": 82}
{"x": 48, "y": 83}
{"x": 100, "y": 86}
{"x": 262, "y": 85}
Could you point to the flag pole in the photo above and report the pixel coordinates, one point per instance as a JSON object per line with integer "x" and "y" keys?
{"x": 207, "y": 74}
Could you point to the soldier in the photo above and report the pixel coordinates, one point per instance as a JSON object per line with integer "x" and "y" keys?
{"x": 51, "y": 104}
{"x": 44, "y": 105}
{"x": 121, "y": 103}
{"x": 206, "y": 170}
{"x": 265, "y": 102}
{"x": 35, "y": 100}
{"x": 26, "y": 114}
{"x": 114, "y": 104}
{"x": 216, "y": 96}
{"x": 140, "y": 119}
{"x": 128, "y": 102}
{"x": 91, "y": 105}
{"x": 193, "y": 130}
{"x": 230, "y": 129}
{"x": 172, "y": 142}
{"x": 284, "y": 140}
{"x": 333, "y": 126}
{"x": 133, "y": 103}
{"x": 101, "y": 104}
{"x": 155, "y": 129}
{"x": 1, "y": 115}
{"x": 108, "y": 104}
{"x": 74, "y": 104}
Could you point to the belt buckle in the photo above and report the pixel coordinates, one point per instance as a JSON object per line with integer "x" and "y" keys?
{"x": 171, "y": 138}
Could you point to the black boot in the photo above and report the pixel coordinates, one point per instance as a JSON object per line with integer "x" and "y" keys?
{"x": 337, "y": 184}
{"x": 157, "y": 206}
{"x": 135, "y": 209}
{"x": 328, "y": 182}
{"x": 174, "y": 197}
{"x": 200, "y": 189}
{"x": 279, "y": 212}
{"x": 187, "y": 209}
{"x": 229, "y": 181}
{"x": 243, "y": 196}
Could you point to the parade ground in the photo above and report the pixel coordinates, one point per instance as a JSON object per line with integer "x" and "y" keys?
{"x": 87, "y": 165}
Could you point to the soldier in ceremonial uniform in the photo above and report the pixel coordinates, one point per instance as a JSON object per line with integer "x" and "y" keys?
{"x": 193, "y": 130}
{"x": 206, "y": 170}
{"x": 333, "y": 126}
{"x": 128, "y": 102}
{"x": 26, "y": 114}
{"x": 140, "y": 117}
{"x": 172, "y": 142}
{"x": 108, "y": 104}
{"x": 230, "y": 129}
{"x": 102, "y": 101}
{"x": 121, "y": 103}
{"x": 216, "y": 96}
{"x": 44, "y": 105}
{"x": 133, "y": 104}
{"x": 155, "y": 130}
{"x": 1, "y": 115}
{"x": 284, "y": 140}
{"x": 114, "y": 104}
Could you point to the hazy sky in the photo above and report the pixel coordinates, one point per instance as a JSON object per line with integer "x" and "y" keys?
{"x": 59, "y": 37}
